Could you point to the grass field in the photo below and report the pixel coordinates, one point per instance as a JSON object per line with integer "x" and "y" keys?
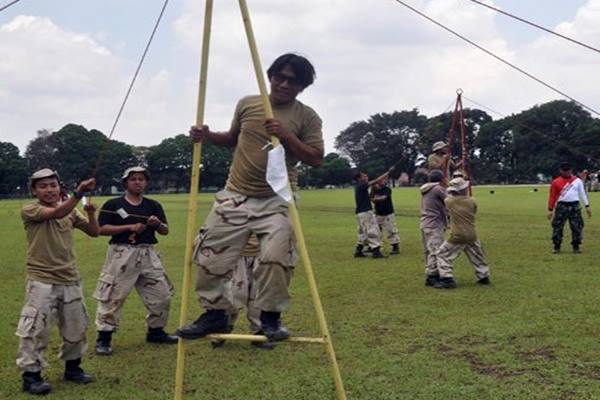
{"x": 533, "y": 334}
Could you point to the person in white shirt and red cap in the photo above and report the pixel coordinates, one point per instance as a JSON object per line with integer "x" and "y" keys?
{"x": 566, "y": 192}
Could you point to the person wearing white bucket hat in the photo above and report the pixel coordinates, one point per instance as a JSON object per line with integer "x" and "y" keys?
{"x": 436, "y": 159}
{"x": 463, "y": 237}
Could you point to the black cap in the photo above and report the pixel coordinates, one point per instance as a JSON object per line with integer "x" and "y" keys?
{"x": 565, "y": 166}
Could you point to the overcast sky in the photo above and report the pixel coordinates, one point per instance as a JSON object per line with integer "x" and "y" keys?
{"x": 70, "y": 61}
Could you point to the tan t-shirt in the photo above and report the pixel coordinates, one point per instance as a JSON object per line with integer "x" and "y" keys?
{"x": 50, "y": 251}
{"x": 462, "y": 210}
{"x": 436, "y": 161}
{"x": 247, "y": 174}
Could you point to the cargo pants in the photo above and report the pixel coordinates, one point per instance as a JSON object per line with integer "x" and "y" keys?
{"x": 244, "y": 293}
{"x": 567, "y": 211}
{"x": 387, "y": 226}
{"x": 45, "y": 303}
{"x": 220, "y": 243}
{"x": 368, "y": 230}
{"x": 433, "y": 238}
{"x": 127, "y": 267}
{"x": 449, "y": 252}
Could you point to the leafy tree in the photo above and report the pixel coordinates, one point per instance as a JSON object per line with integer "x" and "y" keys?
{"x": 336, "y": 170}
{"x": 383, "y": 140}
{"x": 13, "y": 169}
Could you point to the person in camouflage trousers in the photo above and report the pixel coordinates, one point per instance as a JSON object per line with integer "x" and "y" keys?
{"x": 566, "y": 192}
{"x": 381, "y": 196}
{"x": 434, "y": 221}
{"x": 132, "y": 222}
{"x": 53, "y": 282}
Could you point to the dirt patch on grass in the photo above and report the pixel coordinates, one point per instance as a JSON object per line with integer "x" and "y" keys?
{"x": 541, "y": 354}
{"x": 477, "y": 365}
{"x": 586, "y": 371}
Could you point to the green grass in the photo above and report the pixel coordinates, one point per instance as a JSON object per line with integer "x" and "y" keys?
{"x": 533, "y": 334}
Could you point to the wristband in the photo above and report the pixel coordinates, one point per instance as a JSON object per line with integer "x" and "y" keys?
{"x": 78, "y": 196}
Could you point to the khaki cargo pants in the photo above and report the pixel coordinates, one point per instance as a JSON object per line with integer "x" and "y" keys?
{"x": 449, "y": 252}
{"x": 127, "y": 267}
{"x": 432, "y": 242}
{"x": 368, "y": 230}
{"x": 45, "y": 303}
{"x": 387, "y": 225}
{"x": 244, "y": 293}
{"x": 221, "y": 241}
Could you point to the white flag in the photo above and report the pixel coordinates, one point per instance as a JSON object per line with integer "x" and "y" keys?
{"x": 277, "y": 175}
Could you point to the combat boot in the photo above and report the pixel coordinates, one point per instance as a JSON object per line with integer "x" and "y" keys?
{"x": 74, "y": 373}
{"x": 158, "y": 335}
{"x": 262, "y": 345}
{"x": 33, "y": 383}
{"x": 430, "y": 280}
{"x": 395, "y": 249}
{"x": 576, "y": 249}
{"x": 359, "y": 251}
{"x": 377, "y": 253}
{"x": 212, "y": 321}
{"x": 445, "y": 283}
{"x": 484, "y": 281}
{"x": 271, "y": 326}
{"x": 103, "y": 347}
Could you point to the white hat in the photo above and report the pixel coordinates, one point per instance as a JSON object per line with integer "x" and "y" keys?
{"x": 131, "y": 170}
{"x": 457, "y": 184}
{"x": 439, "y": 145}
{"x": 43, "y": 173}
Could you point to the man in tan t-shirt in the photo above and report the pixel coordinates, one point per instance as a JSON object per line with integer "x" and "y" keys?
{"x": 463, "y": 236}
{"x": 248, "y": 205}
{"x": 53, "y": 288}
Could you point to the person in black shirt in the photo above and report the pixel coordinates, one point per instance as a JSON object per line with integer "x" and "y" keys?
{"x": 368, "y": 230}
{"x": 132, "y": 221}
{"x": 381, "y": 195}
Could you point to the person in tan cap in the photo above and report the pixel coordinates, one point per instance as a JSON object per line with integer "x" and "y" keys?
{"x": 434, "y": 221}
{"x": 439, "y": 153}
{"x": 132, "y": 222}
{"x": 53, "y": 282}
{"x": 463, "y": 237}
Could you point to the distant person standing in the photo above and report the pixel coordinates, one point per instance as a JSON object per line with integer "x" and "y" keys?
{"x": 463, "y": 237}
{"x": 437, "y": 158}
{"x": 381, "y": 195}
{"x": 368, "y": 230}
{"x": 566, "y": 192}
{"x": 434, "y": 221}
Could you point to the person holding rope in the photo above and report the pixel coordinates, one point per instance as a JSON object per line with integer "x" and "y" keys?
{"x": 248, "y": 205}
{"x": 132, "y": 222}
{"x": 566, "y": 192}
{"x": 381, "y": 196}
{"x": 369, "y": 233}
{"x": 53, "y": 282}
{"x": 434, "y": 220}
{"x": 438, "y": 156}
{"x": 463, "y": 237}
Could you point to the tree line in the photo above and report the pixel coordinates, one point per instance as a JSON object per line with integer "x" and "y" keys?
{"x": 519, "y": 148}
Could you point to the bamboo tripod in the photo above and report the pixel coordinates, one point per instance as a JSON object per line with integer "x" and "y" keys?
{"x": 325, "y": 339}
{"x": 458, "y": 118}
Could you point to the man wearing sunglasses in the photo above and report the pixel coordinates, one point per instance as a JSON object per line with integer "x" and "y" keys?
{"x": 248, "y": 205}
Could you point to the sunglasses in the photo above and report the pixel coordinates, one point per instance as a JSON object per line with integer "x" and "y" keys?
{"x": 279, "y": 78}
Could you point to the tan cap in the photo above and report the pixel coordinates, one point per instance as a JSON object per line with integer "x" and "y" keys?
{"x": 439, "y": 145}
{"x": 43, "y": 173}
{"x": 457, "y": 184}
{"x": 131, "y": 170}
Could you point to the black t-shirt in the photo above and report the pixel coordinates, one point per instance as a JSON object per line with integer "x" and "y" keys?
{"x": 147, "y": 207}
{"x": 384, "y": 207}
{"x": 361, "y": 197}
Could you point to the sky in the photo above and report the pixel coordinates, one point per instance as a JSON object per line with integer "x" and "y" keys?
{"x": 70, "y": 61}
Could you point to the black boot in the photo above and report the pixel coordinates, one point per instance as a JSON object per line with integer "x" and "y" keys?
{"x": 576, "y": 249}
{"x": 430, "y": 280}
{"x": 103, "y": 347}
{"x": 262, "y": 345}
{"x": 359, "y": 251}
{"x": 212, "y": 321}
{"x": 395, "y": 249}
{"x": 271, "y": 326}
{"x": 33, "y": 383}
{"x": 158, "y": 335}
{"x": 377, "y": 253}
{"x": 216, "y": 343}
{"x": 445, "y": 283}
{"x": 74, "y": 373}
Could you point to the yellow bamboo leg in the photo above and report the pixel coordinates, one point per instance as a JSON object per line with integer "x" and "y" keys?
{"x": 193, "y": 201}
{"x": 339, "y": 385}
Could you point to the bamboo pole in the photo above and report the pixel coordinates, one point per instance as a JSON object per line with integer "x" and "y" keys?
{"x": 301, "y": 245}
{"x": 262, "y": 338}
{"x": 193, "y": 201}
